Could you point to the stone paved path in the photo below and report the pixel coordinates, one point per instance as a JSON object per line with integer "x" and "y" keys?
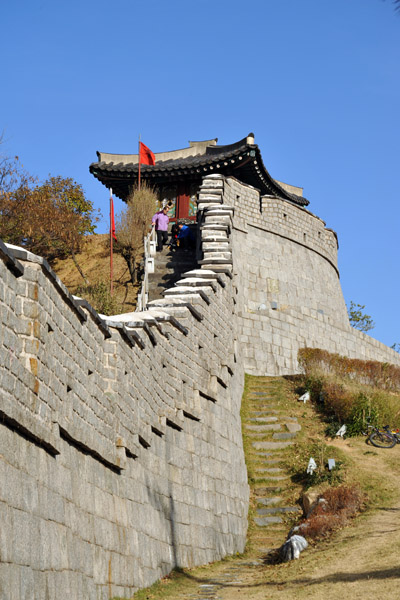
{"x": 270, "y": 431}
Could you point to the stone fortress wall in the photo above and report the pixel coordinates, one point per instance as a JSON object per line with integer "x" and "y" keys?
{"x": 120, "y": 438}
{"x": 120, "y": 449}
{"x": 285, "y": 269}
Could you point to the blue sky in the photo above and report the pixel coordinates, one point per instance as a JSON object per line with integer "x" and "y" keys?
{"x": 316, "y": 81}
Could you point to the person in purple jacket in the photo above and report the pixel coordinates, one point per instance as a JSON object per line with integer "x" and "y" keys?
{"x": 160, "y": 221}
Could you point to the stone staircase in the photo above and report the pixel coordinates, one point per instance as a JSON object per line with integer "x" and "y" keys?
{"x": 169, "y": 265}
{"x": 270, "y": 431}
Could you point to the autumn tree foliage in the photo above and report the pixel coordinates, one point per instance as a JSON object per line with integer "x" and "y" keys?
{"x": 133, "y": 224}
{"x": 50, "y": 219}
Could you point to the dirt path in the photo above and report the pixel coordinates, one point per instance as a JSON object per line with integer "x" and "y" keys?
{"x": 363, "y": 561}
{"x": 360, "y": 561}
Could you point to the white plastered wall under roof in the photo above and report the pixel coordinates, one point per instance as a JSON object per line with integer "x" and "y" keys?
{"x": 194, "y": 149}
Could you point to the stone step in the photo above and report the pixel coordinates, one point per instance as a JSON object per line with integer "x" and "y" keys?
{"x": 260, "y": 399}
{"x": 268, "y": 490}
{"x": 293, "y": 427}
{"x": 272, "y": 477}
{"x": 269, "y": 501}
{"x": 263, "y": 419}
{"x": 271, "y": 445}
{"x": 265, "y": 521}
{"x": 278, "y": 510}
{"x": 265, "y": 412}
{"x": 262, "y": 428}
{"x": 262, "y": 436}
{"x": 270, "y": 470}
{"x": 266, "y": 454}
{"x": 283, "y": 436}
{"x": 168, "y": 268}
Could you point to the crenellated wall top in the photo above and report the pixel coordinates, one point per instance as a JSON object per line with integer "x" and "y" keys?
{"x": 280, "y": 217}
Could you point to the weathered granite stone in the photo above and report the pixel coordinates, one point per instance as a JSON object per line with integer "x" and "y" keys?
{"x": 265, "y": 521}
{"x": 283, "y": 436}
{"x": 141, "y": 452}
{"x": 269, "y": 501}
{"x": 293, "y": 427}
{"x": 263, "y": 428}
{"x": 271, "y": 445}
{"x": 120, "y": 442}
{"x": 269, "y": 470}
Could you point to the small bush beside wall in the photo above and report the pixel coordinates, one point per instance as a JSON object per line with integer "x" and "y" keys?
{"x": 352, "y": 391}
{"x": 335, "y": 507}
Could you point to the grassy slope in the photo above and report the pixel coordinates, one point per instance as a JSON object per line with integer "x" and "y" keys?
{"x": 94, "y": 261}
{"x": 360, "y": 561}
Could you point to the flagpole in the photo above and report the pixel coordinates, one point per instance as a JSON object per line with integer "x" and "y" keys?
{"x": 139, "y": 164}
{"x": 111, "y": 247}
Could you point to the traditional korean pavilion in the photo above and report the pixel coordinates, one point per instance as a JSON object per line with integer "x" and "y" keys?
{"x": 177, "y": 174}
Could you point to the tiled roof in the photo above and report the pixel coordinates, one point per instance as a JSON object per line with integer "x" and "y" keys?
{"x": 241, "y": 160}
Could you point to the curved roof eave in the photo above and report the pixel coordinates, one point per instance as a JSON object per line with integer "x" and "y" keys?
{"x": 279, "y": 189}
{"x": 224, "y": 158}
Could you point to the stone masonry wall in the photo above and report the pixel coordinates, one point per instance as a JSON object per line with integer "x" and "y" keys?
{"x": 120, "y": 439}
{"x": 285, "y": 270}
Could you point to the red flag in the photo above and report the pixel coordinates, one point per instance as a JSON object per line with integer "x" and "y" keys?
{"x": 112, "y": 221}
{"x": 146, "y": 156}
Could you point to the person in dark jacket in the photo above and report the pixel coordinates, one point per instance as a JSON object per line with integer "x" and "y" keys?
{"x": 185, "y": 236}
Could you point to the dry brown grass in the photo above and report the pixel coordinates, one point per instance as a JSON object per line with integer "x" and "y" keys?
{"x": 358, "y": 561}
{"x": 351, "y": 391}
{"x": 94, "y": 260}
{"x": 382, "y": 375}
{"x": 333, "y": 510}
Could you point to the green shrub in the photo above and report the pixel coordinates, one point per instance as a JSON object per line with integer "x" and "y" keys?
{"x": 314, "y": 383}
{"x": 99, "y": 296}
{"x": 364, "y": 411}
{"x": 298, "y": 461}
{"x": 352, "y": 391}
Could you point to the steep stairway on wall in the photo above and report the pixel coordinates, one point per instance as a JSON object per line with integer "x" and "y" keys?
{"x": 168, "y": 268}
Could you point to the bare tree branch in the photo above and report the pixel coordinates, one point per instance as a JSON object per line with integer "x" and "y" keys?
{"x": 132, "y": 225}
